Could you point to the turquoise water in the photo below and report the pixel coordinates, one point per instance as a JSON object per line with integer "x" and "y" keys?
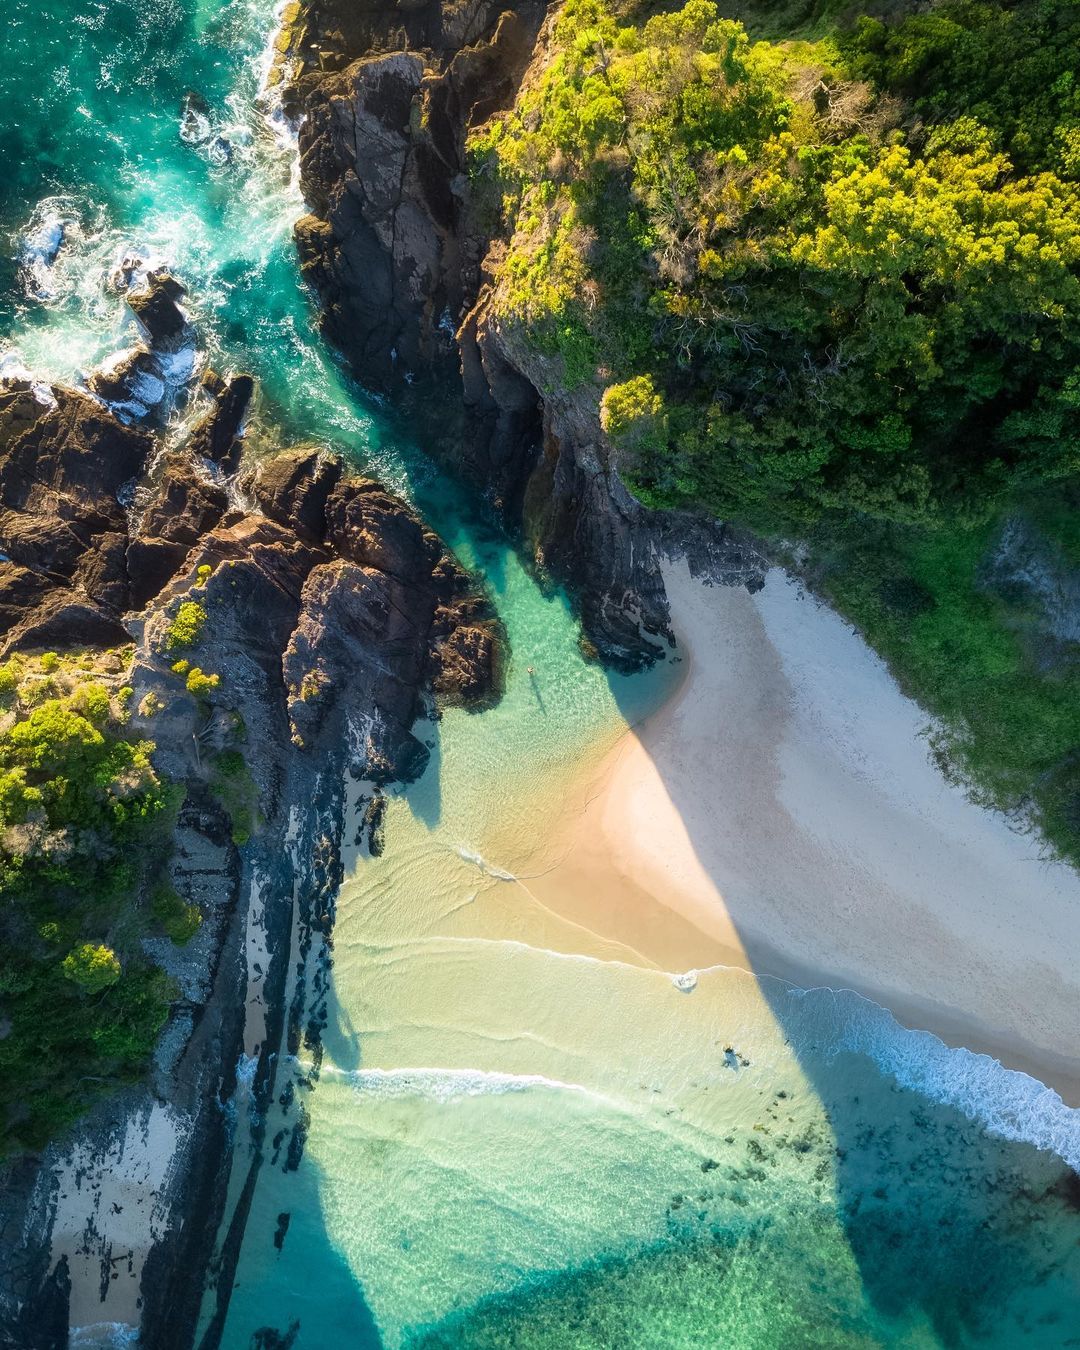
{"x": 519, "y": 1136}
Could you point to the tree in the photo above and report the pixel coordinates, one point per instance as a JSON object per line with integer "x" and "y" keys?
{"x": 92, "y": 967}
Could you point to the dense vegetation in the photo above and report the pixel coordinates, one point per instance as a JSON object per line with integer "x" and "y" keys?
{"x": 830, "y": 287}
{"x": 85, "y": 826}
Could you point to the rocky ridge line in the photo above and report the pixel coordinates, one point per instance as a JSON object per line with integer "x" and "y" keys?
{"x": 334, "y": 618}
{"x": 404, "y": 263}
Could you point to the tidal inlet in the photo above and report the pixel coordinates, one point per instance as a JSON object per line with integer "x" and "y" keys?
{"x": 539, "y": 675}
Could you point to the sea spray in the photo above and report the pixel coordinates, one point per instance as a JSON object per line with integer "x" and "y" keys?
{"x": 1006, "y": 1102}
{"x": 447, "y": 1085}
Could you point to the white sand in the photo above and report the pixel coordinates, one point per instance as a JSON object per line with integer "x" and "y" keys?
{"x": 782, "y": 813}
{"x": 112, "y": 1207}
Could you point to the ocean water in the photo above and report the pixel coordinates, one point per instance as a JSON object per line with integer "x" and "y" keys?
{"x": 520, "y": 1134}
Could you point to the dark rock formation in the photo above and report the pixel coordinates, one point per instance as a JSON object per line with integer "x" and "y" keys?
{"x": 334, "y": 619}
{"x": 217, "y": 436}
{"x": 129, "y": 377}
{"x": 383, "y": 167}
{"x": 64, "y": 461}
{"x": 396, "y": 248}
{"x": 145, "y": 382}
{"x": 186, "y": 504}
{"x": 293, "y": 487}
{"x": 157, "y": 310}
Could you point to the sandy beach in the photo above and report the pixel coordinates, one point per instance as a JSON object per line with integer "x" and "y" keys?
{"x": 782, "y": 813}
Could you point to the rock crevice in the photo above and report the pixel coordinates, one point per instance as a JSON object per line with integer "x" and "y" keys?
{"x": 400, "y": 253}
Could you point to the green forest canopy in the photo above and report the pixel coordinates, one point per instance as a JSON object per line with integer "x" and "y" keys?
{"x": 828, "y": 286}
{"x": 839, "y": 276}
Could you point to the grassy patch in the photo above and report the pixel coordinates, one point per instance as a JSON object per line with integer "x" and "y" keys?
{"x": 186, "y": 626}
{"x": 179, "y": 920}
{"x": 233, "y": 786}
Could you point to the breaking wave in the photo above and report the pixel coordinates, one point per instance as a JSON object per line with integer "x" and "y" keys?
{"x": 445, "y": 1085}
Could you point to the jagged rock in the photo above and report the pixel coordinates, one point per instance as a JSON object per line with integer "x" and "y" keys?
{"x": 186, "y": 505}
{"x": 102, "y": 572}
{"x": 468, "y": 665}
{"x": 63, "y": 465}
{"x": 217, "y": 435}
{"x": 369, "y": 526}
{"x": 349, "y": 616}
{"x": 21, "y": 592}
{"x": 130, "y": 377}
{"x": 63, "y": 619}
{"x": 293, "y": 487}
{"x": 158, "y": 312}
{"x": 382, "y": 167}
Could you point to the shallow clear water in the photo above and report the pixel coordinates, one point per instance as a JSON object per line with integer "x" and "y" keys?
{"x": 520, "y": 1135}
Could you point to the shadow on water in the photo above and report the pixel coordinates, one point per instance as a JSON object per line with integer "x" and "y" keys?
{"x": 294, "y": 1289}
{"x": 534, "y": 681}
{"x": 952, "y": 1229}
{"x": 425, "y": 795}
{"x": 339, "y": 1039}
{"x": 958, "y": 1232}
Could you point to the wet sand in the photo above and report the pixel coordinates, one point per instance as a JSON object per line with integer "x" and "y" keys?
{"x": 782, "y": 813}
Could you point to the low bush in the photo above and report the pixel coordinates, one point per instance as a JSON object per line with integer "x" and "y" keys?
{"x": 85, "y": 823}
{"x": 186, "y": 627}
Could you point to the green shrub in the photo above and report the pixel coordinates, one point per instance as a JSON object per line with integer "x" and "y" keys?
{"x": 179, "y": 919}
{"x": 200, "y": 684}
{"x": 102, "y": 822}
{"x": 186, "y": 627}
{"x": 832, "y": 292}
{"x": 234, "y": 787}
{"x": 93, "y": 967}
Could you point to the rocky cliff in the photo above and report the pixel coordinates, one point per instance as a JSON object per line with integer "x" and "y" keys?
{"x": 290, "y": 621}
{"x": 401, "y": 254}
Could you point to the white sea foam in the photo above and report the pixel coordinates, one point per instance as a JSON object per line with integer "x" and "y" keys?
{"x": 444, "y": 1085}
{"x": 477, "y": 859}
{"x": 245, "y": 1071}
{"x": 41, "y": 243}
{"x": 103, "y": 1336}
{"x": 1005, "y": 1102}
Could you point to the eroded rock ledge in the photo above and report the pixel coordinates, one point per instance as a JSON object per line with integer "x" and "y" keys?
{"x": 401, "y": 256}
{"x": 332, "y": 618}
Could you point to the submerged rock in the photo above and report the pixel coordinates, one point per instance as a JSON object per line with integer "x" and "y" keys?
{"x": 195, "y": 127}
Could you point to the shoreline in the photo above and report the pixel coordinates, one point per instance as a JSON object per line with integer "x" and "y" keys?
{"x": 780, "y": 813}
